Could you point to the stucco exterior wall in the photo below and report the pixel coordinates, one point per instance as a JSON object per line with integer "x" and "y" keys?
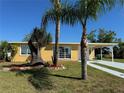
{"x": 18, "y": 57}
{"x": 47, "y": 53}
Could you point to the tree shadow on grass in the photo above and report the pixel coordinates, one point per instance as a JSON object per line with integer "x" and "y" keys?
{"x": 45, "y": 72}
{"x": 39, "y": 78}
{"x": 69, "y": 77}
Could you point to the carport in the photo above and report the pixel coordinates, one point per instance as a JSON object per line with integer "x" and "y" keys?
{"x": 101, "y": 45}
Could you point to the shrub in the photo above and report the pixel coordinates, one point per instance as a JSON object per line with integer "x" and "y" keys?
{"x": 40, "y": 79}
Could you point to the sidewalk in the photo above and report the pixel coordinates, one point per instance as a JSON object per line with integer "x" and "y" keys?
{"x": 112, "y": 64}
{"x": 113, "y": 72}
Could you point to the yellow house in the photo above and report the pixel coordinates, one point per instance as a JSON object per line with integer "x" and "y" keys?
{"x": 67, "y": 51}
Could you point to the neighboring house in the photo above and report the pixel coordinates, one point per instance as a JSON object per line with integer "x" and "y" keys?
{"x": 67, "y": 51}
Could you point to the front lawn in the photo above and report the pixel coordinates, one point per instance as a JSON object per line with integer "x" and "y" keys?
{"x": 63, "y": 81}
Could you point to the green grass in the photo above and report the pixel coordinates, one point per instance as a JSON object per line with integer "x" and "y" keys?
{"x": 116, "y": 60}
{"x": 63, "y": 81}
{"x": 110, "y": 67}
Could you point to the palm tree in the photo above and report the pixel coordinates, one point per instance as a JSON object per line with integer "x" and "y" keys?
{"x": 39, "y": 39}
{"x": 56, "y": 14}
{"x": 82, "y": 12}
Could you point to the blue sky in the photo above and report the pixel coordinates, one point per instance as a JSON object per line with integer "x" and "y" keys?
{"x": 19, "y": 17}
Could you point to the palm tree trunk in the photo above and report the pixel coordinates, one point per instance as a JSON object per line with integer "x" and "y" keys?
{"x": 56, "y": 41}
{"x": 39, "y": 55}
{"x": 83, "y": 45}
{"x": 35, "y": 54}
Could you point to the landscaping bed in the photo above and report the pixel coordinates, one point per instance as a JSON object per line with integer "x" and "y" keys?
{"x": 27, "y": 66}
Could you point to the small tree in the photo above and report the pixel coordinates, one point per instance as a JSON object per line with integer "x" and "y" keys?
{"x": 119, "y": 51}
{"x": 121, "y": 45}
{"x": 3, "y": 50}
{"x": 6, "y": 48}
{"x": 13, "y": 50}
{"x": 103, "y": 36}
{"x": 39, "y": 38}
{"x": 106, "y": 36}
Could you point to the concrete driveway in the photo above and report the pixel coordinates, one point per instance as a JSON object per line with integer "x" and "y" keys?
{"x": 112, "y": 64}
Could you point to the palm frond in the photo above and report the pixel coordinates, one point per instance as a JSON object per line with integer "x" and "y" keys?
{"x": 50, "y": 15}
{"x": 68, "y": 14}
{"x": 91, "y": 9}
{"x": 41, "y": 36}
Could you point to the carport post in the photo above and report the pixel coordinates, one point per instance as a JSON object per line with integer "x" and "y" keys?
{"x": 112, "y": 55}
{"x": 101, "y": 53}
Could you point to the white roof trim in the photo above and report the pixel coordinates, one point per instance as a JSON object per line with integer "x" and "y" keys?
{"x": 90, "y": 44}
{"x": 50, "y": 43}
{"x": 104, "y": 44}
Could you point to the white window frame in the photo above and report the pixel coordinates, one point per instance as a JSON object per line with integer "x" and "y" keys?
{"x": 26, "y": 51}
{"x": 65, "y": 53}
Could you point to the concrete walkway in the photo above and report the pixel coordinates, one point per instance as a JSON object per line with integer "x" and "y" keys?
{"x": 113, "y": 72}
{"x": 112, "y": 64}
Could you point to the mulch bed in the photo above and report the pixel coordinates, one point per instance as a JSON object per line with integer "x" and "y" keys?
{"x": 21, "y": 67}
{"x": 28, "y": 66}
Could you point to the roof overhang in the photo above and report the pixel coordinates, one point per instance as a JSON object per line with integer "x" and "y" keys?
{"x": 102, "y": 44}
{"x": 69, "y": 43}
{"x": 62, "y": 43}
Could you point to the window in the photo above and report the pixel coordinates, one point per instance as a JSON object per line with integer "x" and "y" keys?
{"x": 64, "y": 52}
{"x": 25, "y": 50}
